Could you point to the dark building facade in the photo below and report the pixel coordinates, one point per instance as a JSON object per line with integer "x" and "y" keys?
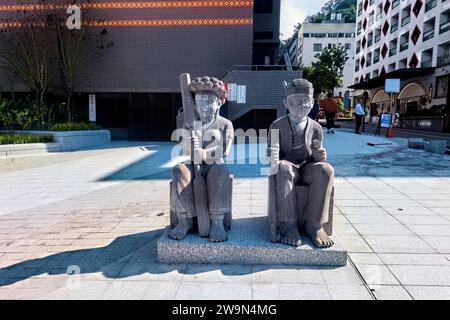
{"x": 147, "y": 44}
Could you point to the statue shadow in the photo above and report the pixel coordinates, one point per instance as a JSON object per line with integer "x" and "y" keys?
{"x": 126, "y": 256}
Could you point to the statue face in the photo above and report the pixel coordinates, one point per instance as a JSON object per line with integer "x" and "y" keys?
{"x": 207, "y": 104}
{"x": 299, "y": 105}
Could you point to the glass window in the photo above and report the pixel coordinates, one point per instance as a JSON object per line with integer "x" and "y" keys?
{"x": 317, "y": 47}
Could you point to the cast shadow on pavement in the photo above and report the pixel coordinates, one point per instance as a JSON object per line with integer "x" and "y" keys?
{"x": 126, "y": 256}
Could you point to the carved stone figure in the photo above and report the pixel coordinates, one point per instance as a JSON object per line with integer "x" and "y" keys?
{"x": 201, "y": 187}
{"x": 301, "y": 181}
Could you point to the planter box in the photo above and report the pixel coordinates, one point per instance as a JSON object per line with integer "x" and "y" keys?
{"x": 8, "y": 150}
{"x": 68, "y": 140}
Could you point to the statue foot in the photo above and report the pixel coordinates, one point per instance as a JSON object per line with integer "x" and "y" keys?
{"x": 181, "y": 230}
{"x": 290, "y": 234}
{"x": 319, "y": 237}
{"x": 217, "y": 232}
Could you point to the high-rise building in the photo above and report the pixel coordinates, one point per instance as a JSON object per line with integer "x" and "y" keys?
{"x": 408, "y": 40}
{"x": 314, "y": 37}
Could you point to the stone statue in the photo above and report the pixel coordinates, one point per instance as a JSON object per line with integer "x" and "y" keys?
{"x": 300, "y": 181}
{"x": 201, "y": 187}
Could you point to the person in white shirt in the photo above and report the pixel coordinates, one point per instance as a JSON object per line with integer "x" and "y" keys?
{"x": 359, "y": 112}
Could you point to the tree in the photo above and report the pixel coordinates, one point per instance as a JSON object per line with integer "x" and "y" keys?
{"x": 326, "y": 73}
{"x": 25, "y": 50}
{"x": 345, "y": 7}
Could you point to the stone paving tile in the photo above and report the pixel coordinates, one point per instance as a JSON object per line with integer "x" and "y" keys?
{"x": 344, "y": 229}
{"x": 348, "y": 292}
{"x": 365, "y": 258}
{"x": 389, "y": 292}
{"x": 217, "y": 273}
{"x": 380, "y": 229}
{"x": 440, "y": 243}
{"x": 414, "y": 259}
{"x": 84, "y": 290}
{"x": 417, "y": 211}
{"x": 422, "y": 220}
{"x": 152, "y": 271}
{"x": 141, "y": 290}
{"x": 362, "y": 210}
{"x": 398, "y": 244}
{"x": 353, "y": 243}
{"x": 340, "y": 275}
{"x": 377, "y": 274}
{"x": 275, "y": 291}
{"x": 422, "y": 275}
{"x": 381, "y": 219}
{"x": 442, "y": 211}
{"x": 429, "y": 292}
{"x": 286, "y": 274}
{"x": 214, "y": 291}
{"x": 430, "y": 230}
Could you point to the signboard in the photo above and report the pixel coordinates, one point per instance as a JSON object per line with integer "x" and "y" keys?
{"x": 241, "y": 94}
{"x": 232, "y": 92}
{"x": 392, "y": 86}
{"x": 92, "y": 108}
{"x": 385, "y": 120}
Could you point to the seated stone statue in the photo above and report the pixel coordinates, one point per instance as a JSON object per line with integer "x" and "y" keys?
{"x": 201, "y": 186}
{"x": 298, "y": 158}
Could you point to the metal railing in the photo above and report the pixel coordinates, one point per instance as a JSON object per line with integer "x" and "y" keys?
{"x": 426, "y": 64}
{"x": 263, "y": 67}
{"x": 404, "y": 46}
{"x": 444, "y": 27}
{"x": 406, "y": 20}
{"x": 430, "y": 5}
{"x": 394, "y": 27}
{"x": 428, "y": 35}
{"x": 395, "y": 3}
{"x": 443, "y": 60}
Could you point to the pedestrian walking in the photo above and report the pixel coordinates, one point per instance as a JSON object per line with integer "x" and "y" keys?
{"x": 359, "y": 114}
{"x": 331, "y": 109}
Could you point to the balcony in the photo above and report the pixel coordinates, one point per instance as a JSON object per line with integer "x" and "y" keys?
{"x": 443, "y": 60}
{"x": 395, "y": 4}
{"x": 403, "y": 46}
{"x": 444, "y": 27}
{"x": 394, "y": 27}
{"x": 405, "y": 20}
{"x": 377, "y": 38}
{"x": 376, "y": 59}
{"x": 392, "y": 52}
{"x": 428, "y": 35}
{"x": 369, "y": 62}
{"x": 426, "y": 64}
{"x": 430, "y": 5}
{"x": 369, "y": 43}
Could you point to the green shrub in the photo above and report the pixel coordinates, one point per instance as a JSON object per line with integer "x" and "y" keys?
{"x": 16, "y": 138}
{"x": 74, "y": 126}
{"x": 24, "y": 114}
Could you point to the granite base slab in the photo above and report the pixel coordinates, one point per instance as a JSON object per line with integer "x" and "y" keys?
{"x": 249, "y": 244}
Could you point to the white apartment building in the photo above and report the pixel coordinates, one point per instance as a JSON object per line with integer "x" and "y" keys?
{"x": 314, "y": 37}
{"x": 409, "y": 40}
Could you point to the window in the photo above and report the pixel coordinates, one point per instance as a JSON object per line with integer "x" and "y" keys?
{"x": 445, "y": 22}
{"x": 332, "y": 35}
{"x": 395, "y": 3}
{"x": 317, "y": 47}
{"x": 263, "y": 6}
{"x": 348, "y": 46}
{"x": 306, "y": 35}
{"x": 349, "y": 35}
{"x": 430, "y": 4}
{"x": 318, "y": 35}
{"x": 331, "y": 45}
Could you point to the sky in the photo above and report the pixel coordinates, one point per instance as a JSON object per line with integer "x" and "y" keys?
{"x": 295, "y": 11}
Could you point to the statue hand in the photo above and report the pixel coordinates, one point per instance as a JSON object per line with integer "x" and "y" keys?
{"x": 274, "y": 158}
{"x": 318, "y": 152}
{"x": 198, "y": 153}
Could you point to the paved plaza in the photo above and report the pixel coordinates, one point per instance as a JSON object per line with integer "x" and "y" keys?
{"x": 84, "y": 225}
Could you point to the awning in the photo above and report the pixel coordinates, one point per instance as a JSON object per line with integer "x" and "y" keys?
{"x": 381, "y": 97}
{"x": 356, "y": 93}
{"x": 412, "y": 90}
{"x": 402, "y": 74}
